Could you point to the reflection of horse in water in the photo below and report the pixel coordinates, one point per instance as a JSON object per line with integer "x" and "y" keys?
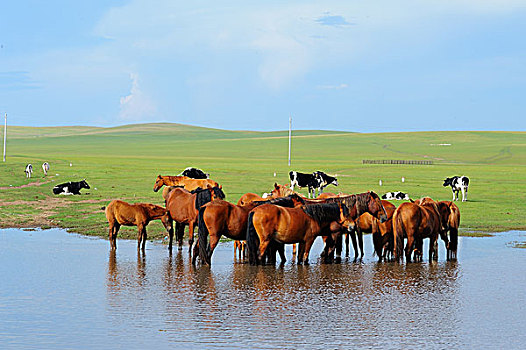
{"x": 139, "y": 214}
{"x": 423, "y": 219}
{"x": 221, "y": 218}
{"x": 183, "y": 207}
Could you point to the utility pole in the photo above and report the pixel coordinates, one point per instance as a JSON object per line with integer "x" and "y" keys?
{"x": 5, "y": 132}
{"x": 290, "y": 134}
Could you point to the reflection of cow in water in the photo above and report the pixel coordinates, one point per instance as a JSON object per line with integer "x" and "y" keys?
{"x": 70, "y": 187}
{"x": 194, "y": 173}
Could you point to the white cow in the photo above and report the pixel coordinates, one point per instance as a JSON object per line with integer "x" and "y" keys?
{"x": 29, "y": 171}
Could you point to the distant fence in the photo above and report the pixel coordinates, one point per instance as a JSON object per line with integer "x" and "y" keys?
{"x": 394, "y": 161}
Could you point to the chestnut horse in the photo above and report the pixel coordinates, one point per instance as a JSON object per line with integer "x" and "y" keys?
{"x": 221, "y": 218}
{"x": 416, "y": 221}
{"x": 188, "y": 183}
{"x": 250, "y": 197}
{"x": 269, "y": 222}
{"x": 183, "y": 207}
{"x": 450, "y": 218}
{"x": 382, "y": 232}
{"x": 139, "y": 214}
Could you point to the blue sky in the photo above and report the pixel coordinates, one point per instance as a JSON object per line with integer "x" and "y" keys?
{"x": 364, "y": 66}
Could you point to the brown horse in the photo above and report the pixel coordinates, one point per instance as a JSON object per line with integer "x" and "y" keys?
{"x": 167, "y": 190}
{"x": 382, "y": 232}
{"x": 139, "y": 214}
{"x": 283, "y": 191}
{"x": 416, "y": 221}
{"x": 250, "y": 197}
{"x": 187, "y": 183}
{"x": 367, "y": 202}
{"x": 183, "y": 207}
{"x": 302, "y": 225}
{"x": 221, "y": 218}
{"x": 452, "y": 227}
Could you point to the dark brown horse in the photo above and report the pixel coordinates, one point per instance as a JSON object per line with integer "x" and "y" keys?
{"x": 382, "y": 232}
{"x": 452, "y": 227}
{"x": 417, "y": 221}
{"x": 302, "y": 225}
{"x": 183, "y": 207}
{"x": 221, "y": 218}
{"x": 139, "y": 214}
{"x": 187, "y": 183}
{"x": 367, "y": 202}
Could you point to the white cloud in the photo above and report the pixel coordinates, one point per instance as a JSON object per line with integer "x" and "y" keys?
{"x": 136, "y": 106}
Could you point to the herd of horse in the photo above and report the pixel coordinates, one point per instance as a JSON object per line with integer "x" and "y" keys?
{"x": 286, "y": 217}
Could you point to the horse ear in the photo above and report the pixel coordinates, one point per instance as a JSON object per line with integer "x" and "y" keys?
{"x": 275, "y": 185}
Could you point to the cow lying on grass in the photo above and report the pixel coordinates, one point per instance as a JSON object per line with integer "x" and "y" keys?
{"x": 70, "y": 187}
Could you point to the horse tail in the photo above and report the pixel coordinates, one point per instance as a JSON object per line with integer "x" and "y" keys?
{"x": 203, "y": 238}
{"x": 252, "y": 240}
{"x": 399, "y": 231}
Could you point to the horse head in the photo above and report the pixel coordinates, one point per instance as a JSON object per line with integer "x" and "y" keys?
{"x": 159, "y": 182}
{"x": 376, "y": 208}
{"x": 296, "y": 199}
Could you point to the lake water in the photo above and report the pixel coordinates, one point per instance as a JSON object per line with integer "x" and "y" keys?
{"x": 60, "y": 290}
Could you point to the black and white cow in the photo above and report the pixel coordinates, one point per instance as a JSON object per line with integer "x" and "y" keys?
{"x": 311, "y": 181}
{"x": 326, "y": 180}
{"x": 45, "y": 168}
{"x": 29, "y": 171}
{"x": 458, "y": 183}
{"x": 396, "y": 196}
{"x": 194, "y": 173}
{"x": 70, "y": 187}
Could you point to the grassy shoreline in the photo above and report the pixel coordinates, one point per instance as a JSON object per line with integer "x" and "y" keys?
{"x": 122, "y": 163}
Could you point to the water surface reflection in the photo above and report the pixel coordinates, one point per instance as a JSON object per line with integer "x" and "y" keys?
{"x": 136, "y": 300}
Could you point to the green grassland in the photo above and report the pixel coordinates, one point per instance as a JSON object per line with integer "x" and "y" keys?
{"x": 123, "y": 162}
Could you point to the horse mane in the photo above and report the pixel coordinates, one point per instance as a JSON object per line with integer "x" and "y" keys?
{"x": 287, "y": 201}
{"x": 360, "y": 201}
{"x": 322, "y": 212}
{"x": 218, "y": 191}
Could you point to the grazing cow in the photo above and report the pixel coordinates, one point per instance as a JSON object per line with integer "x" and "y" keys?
{"x": 458, "y": 183}
{"x": 70, "y": 187}
{"x": 396, "y": 195}
{"x": 29, "y": 171}
{"x": 194, "y": 173}
{"x": 325, "y": 180}
{"x": 45, "y": 168}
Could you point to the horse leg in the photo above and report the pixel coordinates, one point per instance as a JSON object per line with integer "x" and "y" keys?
{"x": 144, "y": 238}
{"x": 114, "y": 229}
{"x": 409, "y": 248}
{"x": 294, "y": 251}
{"x": 180, "y": 234}
{"x": 190, "y": 236}
{"x": 359, "y": 233}
{"x": 301, "y": 249}
{"x": 262, "y": 249}
{"x": 140, "y": 230}
{"x": 347, "y": 244}
{"x": 212, "y": 244}
{"x": 354, "y": 244}
{"x": 308, "y": 245}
